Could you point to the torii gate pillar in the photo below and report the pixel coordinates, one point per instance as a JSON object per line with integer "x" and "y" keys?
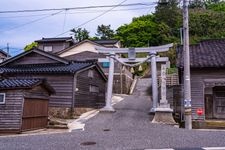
{"x": 108, "y": 107}
{"x": 154, "y": 82}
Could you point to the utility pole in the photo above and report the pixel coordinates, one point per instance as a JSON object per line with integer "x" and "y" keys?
{"x": 7, "y": 51}
{"x": 187, "y": 84}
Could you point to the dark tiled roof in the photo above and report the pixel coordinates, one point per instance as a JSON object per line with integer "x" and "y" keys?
{"x": 105, "y": 41}
{"x": 3, "y": 52}
{"x": 59, "y": 39}
{"x": 24, "y": 83}
{"x": 86, "y": 55}
{"x": 18, "y": 83}
{"x": 47, "y": 68}
{"x": 208, "y": 53}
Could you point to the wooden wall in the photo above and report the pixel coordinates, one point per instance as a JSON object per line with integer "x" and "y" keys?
{"x": 197, "y": 86}
{"x": 62, "y": 84}
{"x": 56, "y": 46}
{"x": 24, "y": 109}
{"x": 33, "y": 58}
{"x": 85, "y": 98}
{"x": 11, "y": 111}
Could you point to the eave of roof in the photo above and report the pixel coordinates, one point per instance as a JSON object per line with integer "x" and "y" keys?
{"x": 46, "y": 68}
{"x": 60, "y": 39}
{"x": 112, "y": 41}
{"x": 41, "y": 52}
{"x": 24, "y": 84}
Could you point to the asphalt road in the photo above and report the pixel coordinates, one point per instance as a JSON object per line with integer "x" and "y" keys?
{"x": 129, "y": 127}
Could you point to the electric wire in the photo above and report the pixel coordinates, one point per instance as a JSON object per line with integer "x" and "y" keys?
{"x": 77, "y": 12}
{"x": 86, "y": 22}
{"x": 72, "y": 8}
{"x": 64, "y": 21}
{"x": 30, "y": 22}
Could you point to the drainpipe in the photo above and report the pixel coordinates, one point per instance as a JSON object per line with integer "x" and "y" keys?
{"x": 73, "y": 92}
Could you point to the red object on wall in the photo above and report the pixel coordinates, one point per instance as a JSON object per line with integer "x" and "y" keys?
{"x": 199, "y": 111}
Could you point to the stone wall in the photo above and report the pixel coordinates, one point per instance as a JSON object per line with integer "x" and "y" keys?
{"x": 67, "y": 113}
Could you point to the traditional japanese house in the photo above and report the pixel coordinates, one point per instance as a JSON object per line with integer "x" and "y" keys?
{"x": 79, "y": 85}
{"x": 85, "y": 50}
{"x": 3, "y": 55}
{"x": 54, "y": 45}
{"x": 24, "y": 104}
{"x": 207, "y": 69}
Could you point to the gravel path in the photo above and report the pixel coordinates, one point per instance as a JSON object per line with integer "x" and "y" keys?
{"x": 129, "y": 127}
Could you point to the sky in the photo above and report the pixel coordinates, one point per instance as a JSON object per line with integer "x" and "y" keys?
{"x": 20, "y": 29}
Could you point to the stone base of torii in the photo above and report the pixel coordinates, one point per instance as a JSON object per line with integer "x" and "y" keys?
{"x": 163, "y": 112}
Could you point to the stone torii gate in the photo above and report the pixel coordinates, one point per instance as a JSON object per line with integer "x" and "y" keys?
{"x": 152, "y": 51}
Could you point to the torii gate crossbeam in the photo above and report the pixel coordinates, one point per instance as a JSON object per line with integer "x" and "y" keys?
{"x": 152, "y": 51}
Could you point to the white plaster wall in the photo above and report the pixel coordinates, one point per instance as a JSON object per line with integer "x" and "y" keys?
{"x": 80, "y": 48}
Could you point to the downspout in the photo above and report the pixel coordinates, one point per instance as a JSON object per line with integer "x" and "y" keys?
{"x": 73, "y": 92}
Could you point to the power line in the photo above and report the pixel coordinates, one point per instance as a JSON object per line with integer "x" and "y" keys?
{"x": 33, "y": 21}
{"x": 86, "y": 22}
{"x": 73, "y": 8}
{"x": 79, "y": 12}
{"x": 64, "y": 21}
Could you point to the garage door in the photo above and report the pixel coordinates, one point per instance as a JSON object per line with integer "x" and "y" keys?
{"x": 35, "y": 114}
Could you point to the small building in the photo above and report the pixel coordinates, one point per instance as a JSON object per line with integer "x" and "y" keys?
{"x": 54, "y": 45}
{"x": 78, "y": 85}
{"x": 3, "y": 55}
{"x": 207, "y": 71}
{"x": 85, "y": 50}
{"x": 24, "y": 104}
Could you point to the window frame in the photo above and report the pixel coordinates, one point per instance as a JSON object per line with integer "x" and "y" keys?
{"x": 3, "y": 102}
{"x": 91, "y": 73}
{"x": 94, "y": 89}
{"x": 48, "y": 47}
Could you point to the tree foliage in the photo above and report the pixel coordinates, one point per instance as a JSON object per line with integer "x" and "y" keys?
{"x": 143, "y": 31}
{"x": 30, "y": 46}
{"x": 218, "y": 6}
{"x": 104, "y": 32}
{"x": 206, "y": 24}
{"x": 80, "y": 34}
{"x": 170, "y": 14}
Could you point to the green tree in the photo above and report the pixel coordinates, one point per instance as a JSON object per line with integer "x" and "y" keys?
{"x": 30, "y": 46}
{"x": 206, "y": 24}
{"x": 143, "y": 31}
{"x": 217, "y": 6}
{"x": 80, "y": 34}
{"x": 104, "y": 32}
{"x": 170, "y": 14}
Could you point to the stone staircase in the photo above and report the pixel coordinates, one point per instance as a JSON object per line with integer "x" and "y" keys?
{"x": 142, "y": 86}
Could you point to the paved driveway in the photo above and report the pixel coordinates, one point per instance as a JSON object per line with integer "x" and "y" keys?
{"x": 129, "y": 128}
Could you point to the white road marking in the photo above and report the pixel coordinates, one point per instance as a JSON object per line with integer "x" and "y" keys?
{"x": 213, "y": 148}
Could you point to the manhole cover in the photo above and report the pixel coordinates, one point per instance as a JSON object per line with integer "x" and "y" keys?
{"x": 106, "y": 129}
{"x": 88, "y": 143}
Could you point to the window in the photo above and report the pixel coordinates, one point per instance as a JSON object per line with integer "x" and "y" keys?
{"x": 94, "y": 89}
{"x": 91, "y": 74}
{"x": 48, "y": 48}
{"x": 105, "y": 64}
{"x": 2, "y": 98}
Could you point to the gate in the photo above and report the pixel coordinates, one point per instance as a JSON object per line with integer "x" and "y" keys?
{"x": 35, "y": 114}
